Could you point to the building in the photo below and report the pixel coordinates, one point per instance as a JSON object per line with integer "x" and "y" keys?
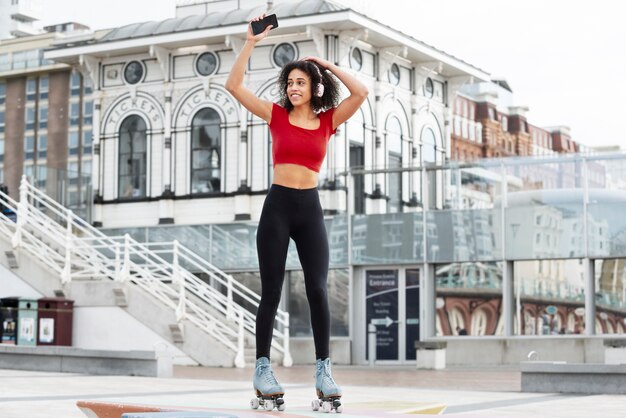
{"x": 17, "y": 18}
{"x": 46, "y": 115}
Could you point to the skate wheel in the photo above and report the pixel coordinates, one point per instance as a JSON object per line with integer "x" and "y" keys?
{"x": 269, "y": 404}
{"x": 339, "y": 409}
{"x": 254, "y": 403}
{"x": 326, "y": 407}
{"x": 315, "y": 404}
{"x": 281, "y": 407}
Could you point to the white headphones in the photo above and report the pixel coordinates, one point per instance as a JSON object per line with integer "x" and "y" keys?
{"x": 319, "y": 88}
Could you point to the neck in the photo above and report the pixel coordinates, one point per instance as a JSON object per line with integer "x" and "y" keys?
{"x": 304, "y": 111}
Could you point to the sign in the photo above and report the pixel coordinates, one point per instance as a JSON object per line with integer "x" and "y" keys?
{"x": 551, "y": 310}
{"x": 27, "y": 329}
{"x": 46, "y": 330}
{"x": 382, "y": 310}
{"x": 580, "y": 311}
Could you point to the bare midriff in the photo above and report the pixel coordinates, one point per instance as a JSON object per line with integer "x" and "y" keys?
{"x": 294, "y": 176}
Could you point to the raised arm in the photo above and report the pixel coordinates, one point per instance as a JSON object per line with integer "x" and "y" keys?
{"x": 358, "y": 91}
{"x": 234, "y": 83}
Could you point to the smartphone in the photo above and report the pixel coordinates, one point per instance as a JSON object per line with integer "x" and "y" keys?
{"x": 260, "y": 25}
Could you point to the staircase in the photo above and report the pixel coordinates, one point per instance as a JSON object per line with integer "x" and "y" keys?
{"x": 213, "y": 322}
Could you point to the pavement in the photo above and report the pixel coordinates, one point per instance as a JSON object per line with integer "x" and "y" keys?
{"x": 392, "y": 391}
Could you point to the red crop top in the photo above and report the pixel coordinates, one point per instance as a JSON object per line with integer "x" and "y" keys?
{"x": 294, "y": 145}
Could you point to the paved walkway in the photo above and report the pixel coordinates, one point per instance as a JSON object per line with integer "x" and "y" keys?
{"x": 378, "y": 392}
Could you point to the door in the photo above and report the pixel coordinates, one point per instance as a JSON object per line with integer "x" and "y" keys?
{"x": 392, "y": 305}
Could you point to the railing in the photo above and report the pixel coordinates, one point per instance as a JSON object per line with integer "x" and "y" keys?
{"x": 75, "y": 250}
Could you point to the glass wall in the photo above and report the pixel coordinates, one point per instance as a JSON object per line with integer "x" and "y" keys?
{"x": 469, "y": 299}
{"x": 338, "y": 299}
{"x": 549, "y": 297}
{"x": 544, "y": 215}
{"x": 610, "y": 283}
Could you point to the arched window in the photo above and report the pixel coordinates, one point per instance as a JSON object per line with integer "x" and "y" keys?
{"x": 205, "y": 152}
{"x": 479, "y": 322}
{"x": 457, "y": 323}
{"x": 429, "y": 146}
{"x": 394, "y": 149}
{"x": 133, "y": 150}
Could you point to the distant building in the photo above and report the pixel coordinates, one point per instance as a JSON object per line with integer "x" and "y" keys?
{"x": 46, "y": 119}
{"x": 17, "y": 18}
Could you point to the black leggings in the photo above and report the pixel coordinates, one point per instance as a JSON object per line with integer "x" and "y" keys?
{"x": 297, "y": 214}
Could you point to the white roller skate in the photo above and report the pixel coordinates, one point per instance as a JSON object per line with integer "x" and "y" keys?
{"x": 328, "y": 393}
{"x": 269, "y": 393}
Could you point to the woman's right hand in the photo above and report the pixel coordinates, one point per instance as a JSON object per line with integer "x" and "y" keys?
{"x": 256, "y": 38}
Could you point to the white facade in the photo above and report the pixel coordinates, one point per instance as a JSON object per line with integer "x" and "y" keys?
{"x": 17, "y": 17}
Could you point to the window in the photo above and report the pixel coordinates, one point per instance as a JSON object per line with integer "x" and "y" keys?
{"x": 356, "y": 59}
{"x": 43, "y": 87}
{"x": 394, "y": 74}
{"x": 206, "y": 64}
{"x": 31, "y": 88}
{"x": 393, "y": 129}
{"x": 134, "y": 72}
{"x": 429, "y": 146}
{"x": 72, "y": 143}
{"x": 87, "y": 112}
{"x": 87, "y": 140}
{"x": 492, "y": 113}
{"x": 43, "y": 117}
{"x": 505, "y": 123}
{"x": 3, "y": 89}
{"x": 283, "y": 54}
{"x": 5, "y": 62}
{"x": 42, "y": 145}
{"x": 205, "y": 152}
{"x": 1, "y": 152}
{"x": 132, "y": 158}
{"x": 429, "y": 88}
{"x": 75, "y": 84}
{"x": 29, "y": 147}
{"x": 74, "y": 114}
{"x": 30, "y": 118}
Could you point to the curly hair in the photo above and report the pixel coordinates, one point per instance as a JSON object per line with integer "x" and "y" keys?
{"x": 329, "y": 99}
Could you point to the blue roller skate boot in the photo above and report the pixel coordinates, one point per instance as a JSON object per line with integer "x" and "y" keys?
{"x": 269, "y": 393}
{"x": 328, "y": 393}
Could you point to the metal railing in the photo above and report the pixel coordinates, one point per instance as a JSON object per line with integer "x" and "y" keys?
{"x": 73, "y": 249}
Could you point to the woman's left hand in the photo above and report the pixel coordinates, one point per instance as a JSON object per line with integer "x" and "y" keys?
{"x": 319, "y": 61}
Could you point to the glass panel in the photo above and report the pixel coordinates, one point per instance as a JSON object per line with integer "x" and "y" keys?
{"x": 463, "y": 235}
{"x": 610, "y": 296}
{"x": 337, "y": 229}
{"x": 469, "y": 299}
{"x": 606, "y": 227}
{"x": 388, "y": 238}
{"x": 545, "y": 214}
{"x": 549, "y": 297}
{"x": 338, "y": 300}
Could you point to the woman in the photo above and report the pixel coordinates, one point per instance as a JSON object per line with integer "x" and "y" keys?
{"x": 301, "y": 125}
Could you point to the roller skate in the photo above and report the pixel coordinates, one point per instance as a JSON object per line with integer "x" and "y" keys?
{"x": 328, "y": 393}
{"x": 269, "y": 393}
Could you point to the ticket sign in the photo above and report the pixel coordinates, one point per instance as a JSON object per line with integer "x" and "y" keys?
{"x": 382, "y": 311}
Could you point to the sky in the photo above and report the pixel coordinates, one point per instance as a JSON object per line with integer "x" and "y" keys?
{"x": 561, "y": 58}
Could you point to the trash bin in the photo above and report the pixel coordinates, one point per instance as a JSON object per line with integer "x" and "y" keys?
{"x": 8, "y": 309}
{"x": 55, "y": 321}
{"x": 27, "y": 322}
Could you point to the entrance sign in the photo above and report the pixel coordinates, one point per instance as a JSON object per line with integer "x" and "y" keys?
{"x": 382, "y": 311}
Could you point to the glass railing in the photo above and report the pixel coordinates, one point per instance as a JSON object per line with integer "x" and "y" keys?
{"x": 567, "y": 207}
